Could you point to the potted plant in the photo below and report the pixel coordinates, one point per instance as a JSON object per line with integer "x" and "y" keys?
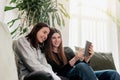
{"x": 31, "y": 12}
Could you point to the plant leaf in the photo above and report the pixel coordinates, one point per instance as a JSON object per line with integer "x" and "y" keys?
{"x": 12, "y": 1}
{"x": 14, "y": 30}
{"x": 7, "y": 8}
{"x": 58, "y": 19}
{"x": 12, "y": 22}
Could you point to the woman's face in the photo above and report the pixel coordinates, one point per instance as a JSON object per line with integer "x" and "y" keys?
{"x": 56, "y": 40}
{"x": 42, "y": 34}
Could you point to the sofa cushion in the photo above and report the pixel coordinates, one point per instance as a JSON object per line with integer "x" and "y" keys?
{"x": 101, "y": 61}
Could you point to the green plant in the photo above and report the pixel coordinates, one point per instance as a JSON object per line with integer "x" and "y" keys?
{"x": 34, "y": 11}
{"x": 115, "y": 18}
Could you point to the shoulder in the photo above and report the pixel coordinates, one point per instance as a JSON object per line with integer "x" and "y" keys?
{"x": 22, "y": 40}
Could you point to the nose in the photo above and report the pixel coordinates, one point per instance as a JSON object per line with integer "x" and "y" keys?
{"x": 45, "y": 36}
{"x": 56, "y": 39}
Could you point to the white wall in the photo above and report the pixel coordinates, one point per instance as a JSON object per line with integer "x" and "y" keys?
{"x": 118, "y": 31}
{"x": 2, "y": 13}
{"x": 8, "y": 70}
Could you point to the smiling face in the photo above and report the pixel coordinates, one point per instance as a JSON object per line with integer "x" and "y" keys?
{"x": 56, "y": 40}
{"x": 42, "y": 34}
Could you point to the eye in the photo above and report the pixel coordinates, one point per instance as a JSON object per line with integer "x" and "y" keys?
{"x": 45, "y": 32}
{"x": 53, "y": 37}
{"x": 59, "y": 37}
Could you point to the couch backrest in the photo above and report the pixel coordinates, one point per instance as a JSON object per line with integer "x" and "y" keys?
{"x": 102, "y": 61}
{"x": 8, "y": 70}
{"x": 69, "y": 53}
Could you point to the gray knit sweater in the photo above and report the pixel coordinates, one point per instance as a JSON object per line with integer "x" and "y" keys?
{"x": 31, "y": 59}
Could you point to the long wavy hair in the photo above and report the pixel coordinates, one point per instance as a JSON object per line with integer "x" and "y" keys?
{"x": 32, "y": 36}
{"x": 49, "y": 48}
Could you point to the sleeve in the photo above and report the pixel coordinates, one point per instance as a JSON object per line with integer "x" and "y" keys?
{"x": 28, "y": 55}
{"x": 65, "y": 69}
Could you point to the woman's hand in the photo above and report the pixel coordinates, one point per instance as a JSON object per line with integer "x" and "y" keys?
{"x": 91, "y": 52}
{"x": 79, "y": 54}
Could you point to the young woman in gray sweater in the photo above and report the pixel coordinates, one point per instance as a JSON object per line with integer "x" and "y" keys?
{"x": 32, "y": 62}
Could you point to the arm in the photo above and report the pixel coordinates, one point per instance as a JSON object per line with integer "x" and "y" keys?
{"x": 73, "y": 58}
{"x": 66, "y": 68}
{"x": 28, "y": 55}
{"x": 77, "y": 57}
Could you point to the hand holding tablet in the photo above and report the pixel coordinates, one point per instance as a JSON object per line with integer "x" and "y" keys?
{"x": 86, "y": 50}
{"x": 87, "y": 45}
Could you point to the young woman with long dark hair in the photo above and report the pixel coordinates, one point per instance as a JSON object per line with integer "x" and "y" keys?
{"x": 74, "y": 69}
{"x": 32, "y": 62}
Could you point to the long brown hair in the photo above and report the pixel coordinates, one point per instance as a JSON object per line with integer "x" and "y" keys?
{"x": 32, "y": 35}
{"x": 49, "y": 48}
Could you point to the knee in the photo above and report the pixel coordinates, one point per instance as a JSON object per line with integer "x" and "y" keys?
{"x": 81, "y": 66}
{"x": 112, "y": 74}
{"x": 115, "y": 73}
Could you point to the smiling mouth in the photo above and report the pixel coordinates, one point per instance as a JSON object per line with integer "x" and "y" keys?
{"x": 56, "y": 43}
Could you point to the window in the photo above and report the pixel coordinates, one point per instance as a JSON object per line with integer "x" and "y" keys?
{"x": 89, "y": 21}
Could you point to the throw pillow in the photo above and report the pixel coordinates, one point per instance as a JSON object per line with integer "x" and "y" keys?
{"x": 102, "y": 61}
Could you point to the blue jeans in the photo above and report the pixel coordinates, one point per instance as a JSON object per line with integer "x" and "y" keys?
{"x": 83, "y": 71}
{"x": 107, "y": 75}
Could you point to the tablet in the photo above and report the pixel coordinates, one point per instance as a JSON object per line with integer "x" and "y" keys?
{"x": 87, "y": 45}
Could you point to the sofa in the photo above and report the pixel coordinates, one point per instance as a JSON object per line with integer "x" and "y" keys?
{"x": 8, "y": 67}
{"x": 99, "y": 61}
